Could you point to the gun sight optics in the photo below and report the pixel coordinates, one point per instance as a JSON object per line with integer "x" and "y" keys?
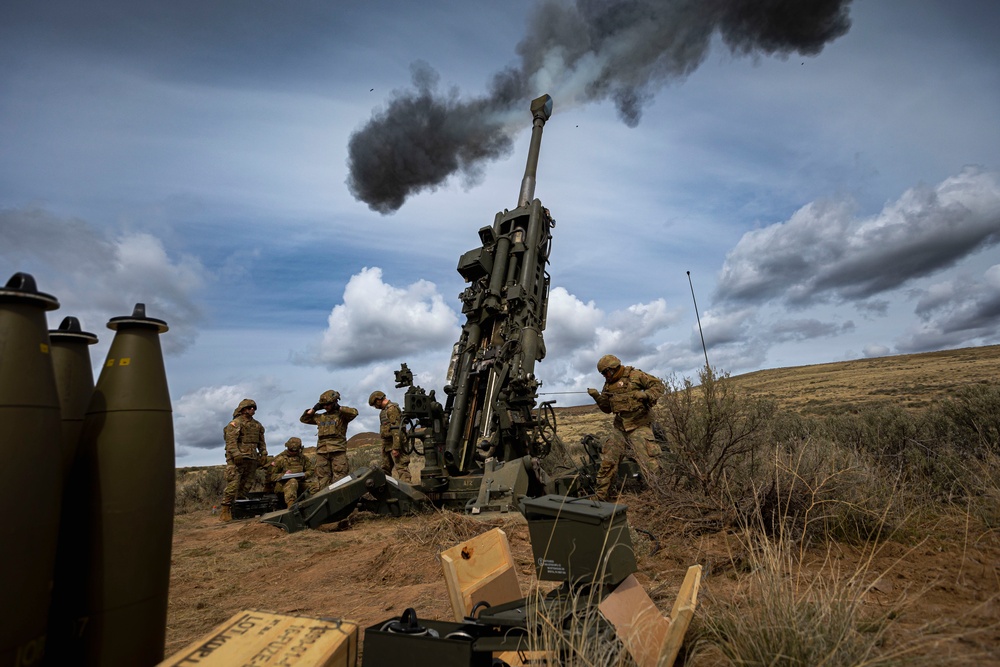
{"x": 404, "y": 377}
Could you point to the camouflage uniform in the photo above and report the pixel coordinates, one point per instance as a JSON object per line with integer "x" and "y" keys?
{"x": 393, "y": 454}
{"x": 331, "y": 446}
{"x": 245, "y": 449}
{"x": 630, "y": 394}
{"x": 291, "y": 460}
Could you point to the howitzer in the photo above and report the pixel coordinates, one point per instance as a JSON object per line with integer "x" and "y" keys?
{"x": 492, "y": 386}
{"x": 489, "y": 424}
{"x": 483, "y": 445}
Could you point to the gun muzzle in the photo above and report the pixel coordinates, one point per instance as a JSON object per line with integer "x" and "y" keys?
{"x": 541, "y": 110}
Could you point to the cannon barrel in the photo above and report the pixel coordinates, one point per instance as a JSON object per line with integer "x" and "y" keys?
{"x": 492, "y": 386}
{"x": 541, "y": 110}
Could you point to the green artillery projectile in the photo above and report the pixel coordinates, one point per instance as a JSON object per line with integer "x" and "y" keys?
{"x": 29, "y": 424}
{"x": 115, "y": 614}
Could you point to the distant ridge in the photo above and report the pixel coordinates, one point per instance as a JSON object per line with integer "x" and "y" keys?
{"x": 911, "y": 381}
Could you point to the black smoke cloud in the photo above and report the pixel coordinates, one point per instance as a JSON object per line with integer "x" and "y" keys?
{"x": 589, "y": 51}
{"x": 419, "y": 140}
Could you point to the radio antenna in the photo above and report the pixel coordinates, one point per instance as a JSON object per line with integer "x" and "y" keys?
{"x": 700, "y": 332}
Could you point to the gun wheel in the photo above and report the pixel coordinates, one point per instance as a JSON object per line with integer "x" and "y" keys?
{"x": 545, "y": 429}
{"x": 407, "y": 428}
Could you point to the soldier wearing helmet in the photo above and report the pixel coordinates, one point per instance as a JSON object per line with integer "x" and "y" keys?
{"x": 630, "y": 394}
{"x": 331, "y": 444}
{"x": 245, "y": 450}
{"x": 291, "y": 462}
{"x": 393, "y": 453}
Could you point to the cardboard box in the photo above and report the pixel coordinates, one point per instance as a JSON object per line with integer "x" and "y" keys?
{"x": 263, "y": 638}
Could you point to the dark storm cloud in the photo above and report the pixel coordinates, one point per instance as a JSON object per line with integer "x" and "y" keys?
{"x": 799, "y": 330}
{"x": 956, "y": 313}
{"x": 825, "y": 253}
{"x": 725, "y": 327}
{"x": 593, "y": 50}
{"x": 873, "y": 307}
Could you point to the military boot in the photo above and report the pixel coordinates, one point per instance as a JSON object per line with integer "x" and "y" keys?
{"x": 225, "y": 514}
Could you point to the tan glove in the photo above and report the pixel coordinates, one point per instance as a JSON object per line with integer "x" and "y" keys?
{"x": 263, "y": 459}
{"x": 594, "y": 394}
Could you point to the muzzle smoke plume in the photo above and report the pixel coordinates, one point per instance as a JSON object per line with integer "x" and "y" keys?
{"x": 622, "y": 50}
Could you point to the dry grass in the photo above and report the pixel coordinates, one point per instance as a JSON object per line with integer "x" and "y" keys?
{"x": 198, "y": 488}
{"x": 911, "y": 381}
{"x": 783, "y": 614}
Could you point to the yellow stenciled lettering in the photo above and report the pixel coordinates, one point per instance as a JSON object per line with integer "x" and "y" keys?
{"x": 275, "y": 646}
{"x": 205, "y": 650}
{"x": 31, "y": 652}
{"x": 298, "y": 650}
{"x": 246, "y": 624}
{"x": 213, "y": 644}
{"x": 270, "y": 624}
{"x": 109, "y": 363}
{"x": 80, "y": 626}
{"x": 44, "y": 348}
{"x": 125, "y": 361}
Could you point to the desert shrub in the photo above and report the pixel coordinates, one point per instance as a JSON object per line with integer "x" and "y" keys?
{"x": 369, "y": 456}
{"x": 983, "y": 478}
{"x": 937, "y": 452}
{"x": 818, "y": 490}
{"x": 949, "y": 474}
{"x": 783, "y": 615}
{"x": 940, "y": 469}
{"x": 808, "y": 477}
{"x": 198, "y": 488}
{"x": 730, "y": 457}
{"x": 715, "y": 432}
{"x": 789, "y": 428}
{"x": 885, "y": 431}
{"x": 971, "y": 419}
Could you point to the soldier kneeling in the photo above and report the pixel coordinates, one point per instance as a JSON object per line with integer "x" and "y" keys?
{"x": 290, "y": 462}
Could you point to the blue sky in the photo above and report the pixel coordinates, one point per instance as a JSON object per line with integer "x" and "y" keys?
{"x": 832, "y": 201}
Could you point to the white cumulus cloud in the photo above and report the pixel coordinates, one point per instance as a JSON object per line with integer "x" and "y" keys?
{"x": 380, "y": 322}
{"x": 97, "y": 275}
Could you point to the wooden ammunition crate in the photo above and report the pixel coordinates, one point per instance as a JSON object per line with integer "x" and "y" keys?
{"x": 259, "y": 637}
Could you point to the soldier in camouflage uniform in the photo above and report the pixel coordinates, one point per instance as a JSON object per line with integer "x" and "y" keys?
{"x": 292, "y": 460}
{"x": 630, "y": 394}
{"x": 331, "y": 447}
{"x": 245, "y": 450}
{"x": 393, "y": 454}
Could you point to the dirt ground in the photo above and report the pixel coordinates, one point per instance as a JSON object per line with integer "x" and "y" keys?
{"x": 372, "y": 568}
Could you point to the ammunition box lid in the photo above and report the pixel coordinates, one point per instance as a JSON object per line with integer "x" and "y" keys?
{"x": 574, "y": 509}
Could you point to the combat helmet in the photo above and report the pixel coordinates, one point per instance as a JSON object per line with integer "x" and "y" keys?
{"x": 608, "y": 361}
{"x": 375, "y": 398}
{"x": 294, "y": 445}
{"x": 245, "y": 403}
{"x": 329, "y": 396}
